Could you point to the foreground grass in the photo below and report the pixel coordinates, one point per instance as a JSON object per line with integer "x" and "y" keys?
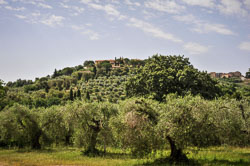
{"x": 72, "y": 156}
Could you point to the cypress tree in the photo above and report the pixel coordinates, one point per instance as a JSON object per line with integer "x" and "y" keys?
{"x": 79, "y": 93}
{"x": 94, "y": 70}
{"x": 87, "y": 95}
{"x": 71, "y": 97}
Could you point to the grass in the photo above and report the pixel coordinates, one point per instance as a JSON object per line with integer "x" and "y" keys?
{"x": 73, "y": 156}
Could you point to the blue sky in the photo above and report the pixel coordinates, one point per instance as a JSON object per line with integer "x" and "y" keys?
{"x": 37, "y": 36}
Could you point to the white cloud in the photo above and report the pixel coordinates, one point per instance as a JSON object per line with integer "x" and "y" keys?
{"x": 128, "y": 2}
{"x": 75, "y": 8}
{"x": 78, "y": 9}
{"x": 43, "y": 5}
{"x": 245, "y": 46}
{"x": 195, "y": 48}
{"x": 2, "y": 2}
{"x": 36, "y": 14}
{"x": 88, "y": 24}
{"x": 114, "y": 1}
{"x": 168, "y": 6}
{"x": 230, "y": 7}
{"x": 64, "y": 6}
{"x": 152, "y": 30}
{"x": 53, "y": 20}
{"x": 218, "y": 28}
{"x": 247, "y": 3}
{"x": 20, "y": 16}
{"x": 26, "y": 1}
{"x": 202, "y": 3}
{"x": 201, "y": 26}
{"x": 90, "y": 33}
{"x": 108, "y": 9}
{"x": 15, "y": 9}
{"x": 89, "y": 1}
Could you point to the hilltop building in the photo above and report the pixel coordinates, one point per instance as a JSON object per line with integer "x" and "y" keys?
{"x": 114, "y": 63}
{"x": 236, "y": 74}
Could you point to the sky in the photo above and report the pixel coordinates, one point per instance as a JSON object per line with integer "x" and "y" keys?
{"x": 39, "y": 36}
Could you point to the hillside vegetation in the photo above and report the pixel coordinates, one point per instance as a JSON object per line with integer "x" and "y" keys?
{"x": 138, "y": 107}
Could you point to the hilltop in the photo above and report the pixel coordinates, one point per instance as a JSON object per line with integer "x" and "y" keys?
{"x": 99, "y": 80}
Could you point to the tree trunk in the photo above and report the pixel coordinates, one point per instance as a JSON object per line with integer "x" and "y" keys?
{"x": 67, "y": 139}
{"x": 176, "y": 153}
{"x": 35, "y": 144}
{"x": 93, "y": 140}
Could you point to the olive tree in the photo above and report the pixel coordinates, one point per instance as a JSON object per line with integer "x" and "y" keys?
{"x": 92, "y": 124}
{"x": 21, "y": 126}
{"x": 134, "y": 127}
{"x": 193, "y": 121}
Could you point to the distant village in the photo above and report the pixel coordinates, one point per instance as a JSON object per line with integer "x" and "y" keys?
{"x": 236, "y": 74}
{"x": 116, "y": 63}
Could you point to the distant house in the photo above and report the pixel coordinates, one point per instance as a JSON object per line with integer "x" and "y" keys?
{"x": 114, "y": 63}
{"x": 213, "y": 74}
{"x": 236, "y": 74}
{"x": 225, "y": 75}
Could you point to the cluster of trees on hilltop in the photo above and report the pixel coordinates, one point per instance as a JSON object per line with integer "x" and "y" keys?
{"x": 56, "y": 89}
{"x": 154, "y": 78}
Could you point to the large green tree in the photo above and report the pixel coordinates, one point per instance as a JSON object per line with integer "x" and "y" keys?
{"x": 162, "y": 75}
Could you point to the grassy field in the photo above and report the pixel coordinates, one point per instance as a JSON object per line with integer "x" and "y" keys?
{"x": 72, "y": 156}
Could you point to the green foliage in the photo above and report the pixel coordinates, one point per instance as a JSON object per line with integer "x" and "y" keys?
{"x": 162, "y": 75}
{"x": 19, "y": 83}
{"x": 248, "y": 73}
{"x": 110, "y": 89}
{"x": 55, "y": 74}
{"x": 71, "y": 96}
{"x": 3, "y": 92}
{"x": 193, "y": 121}
{"x": 89, "y": 64}
{"x": 20, "y": 127}
{"x": 92, "y": 124}
{"x": 52, "y": 110}
{"x": 67, "y": 71}
{"x": 103, "y": 68}
{"x": 134, "y": 127}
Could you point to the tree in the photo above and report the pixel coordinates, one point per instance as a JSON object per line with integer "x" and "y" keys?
{"x": 162, "y": 75}
{"x": 248, "y": 73}
{"x": 71, "y": 95}
{"x": 194, "y": 121}
{"x": 89, "y": 64}
{"x": 79, "y": 94}
{"x": 55, "y": 74}
{"x": 67, "y": 71}
{"x": 105, "y": 65}
{"x": 87, "y": 75}
{"x": 94, "y": 70}
{"x": 135, "y": 126}
{"x": 87, "y": 95}
{"x": 3, "y": 92}
{"x": 92, "y": 124}
{"x": 21, "y": 126}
